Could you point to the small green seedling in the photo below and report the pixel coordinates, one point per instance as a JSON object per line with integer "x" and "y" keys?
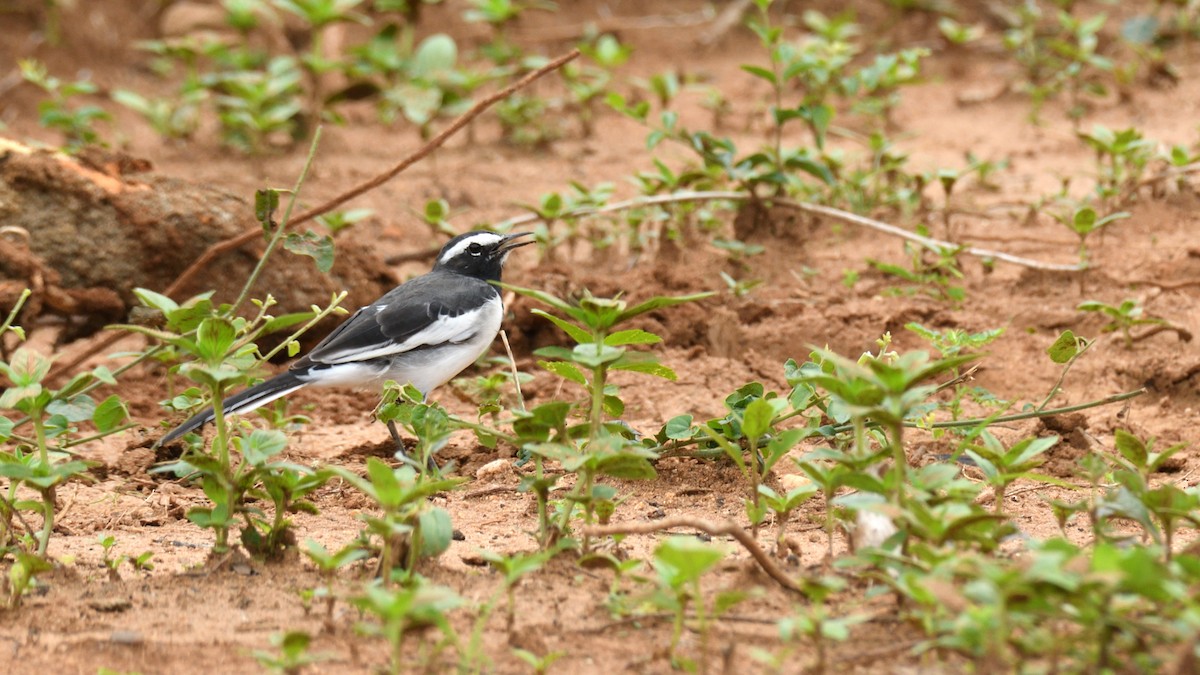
{"x": 1123, "y": 317}
{"x": 77, "y": 123}
{"x": 292, "y": 654}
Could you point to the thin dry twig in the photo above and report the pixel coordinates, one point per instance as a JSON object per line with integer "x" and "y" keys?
{"x": 222, "y": 247}
{"x": 1183, "y": 334}
{"x": 827, "y": 211}
{"x": 708, "y": 527}
{"x": 1164, "y": 285}
{"x": 727, "y": 20}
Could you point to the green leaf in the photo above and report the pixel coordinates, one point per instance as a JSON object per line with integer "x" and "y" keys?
{"x": 540, "y": 296}
{"x": 76, "y": 409}
{"x": 26, "y": 367}
{"x": 261, "y": 445}
{"x": 761, "y": 73}
{"x": 679, "y": 428}
{"x": 567, "y": 371}
{"x": 647, "y": 366}
{"x": 1131, "y": 448}
{"x": 627, "y": 467}
{"x": 286, "y": 321}
{"x": 266, "y": 202}
{"x": 594, "y": 355}
{"x": 659, "y": 303}
{"x": 437, "y": 532}
{"x": 756, "y": 420}
{"x": 632, "y": 337}
{"x": 680, "y": 560}
{"x": 155, "y": 300}
{"x": 6, "y": 428}
{"x": 436, "y": 55}
{"x": 577, "y": 334}
{"x": 214, "y": 338}
{"x": 110, "y": 414}
{"x": 320, "y": 249}
{"x": 1064, "y": 348}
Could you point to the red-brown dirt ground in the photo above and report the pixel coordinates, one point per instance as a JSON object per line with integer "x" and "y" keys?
{"x": 187, "y": 616}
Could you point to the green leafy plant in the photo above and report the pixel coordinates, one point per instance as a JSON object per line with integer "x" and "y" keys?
{"x": 398, "y": 611}
{"x": 1084, "y": 221}
{"x": 597, "y": 447}
{"x": 292, "y": 654}
{"x": 1123, "y": 317}
{"x": 680, "y": 562}
{"x": 407, "y": 527}
{"x": 76, "y": 122}
{"x": 328, "y": 563}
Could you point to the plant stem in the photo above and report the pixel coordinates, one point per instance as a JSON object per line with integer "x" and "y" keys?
{"x": 282, "y": 228}
{"x": 47, "y": 521}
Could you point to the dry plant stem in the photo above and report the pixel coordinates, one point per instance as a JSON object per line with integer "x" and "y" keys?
{"x": 1183, "y": 334}
{"x": 218, "y": 249}
{"x": 1164, "y": 285}
{"x": 708, "y": 527}
{"x": 1115, "y": 398}
{"x": 828, "y": 211}
{"x": 512, "y": 363}
{"x": 727, "y": 20}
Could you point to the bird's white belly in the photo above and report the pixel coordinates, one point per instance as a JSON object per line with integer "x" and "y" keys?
{"x": 430, "y": 368}
{"x": 426, "y": 367}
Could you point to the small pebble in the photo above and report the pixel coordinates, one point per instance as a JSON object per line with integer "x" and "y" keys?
{"x": 126, "y": 637}
{"x": 791, "y": 481}
{"x": 110, "y": 604}
{"x": 496, "y": 467}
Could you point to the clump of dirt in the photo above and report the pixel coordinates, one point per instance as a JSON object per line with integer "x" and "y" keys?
{"x": 107, "y": 224}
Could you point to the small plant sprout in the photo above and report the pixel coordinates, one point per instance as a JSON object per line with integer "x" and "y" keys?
{"x": 598, "y": 448}
{"x": 680, "y": 562}
{"x": 292, "y": 654}
{"x": 328, "y": 563}
{"x": 1127, "y": 316}
{"x": 765, "y": 448}
{"x": 515, "y": 567}
{"x": 815, "y": 625}
{"x": 1002, "y": 466}
{"x": 399, "y": 611}
{"x": 539, "y": 664}
{"x": 782, "y": 506}
{"x": 1084, "y": 221}
{"x": 77, "y": 123}
{"x": 407, "y": 527}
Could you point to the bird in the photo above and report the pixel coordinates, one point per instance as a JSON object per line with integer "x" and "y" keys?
{"x": 423, "y": 332}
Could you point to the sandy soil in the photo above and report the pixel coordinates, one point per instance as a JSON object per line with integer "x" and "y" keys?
{"x": 186, "y": 616}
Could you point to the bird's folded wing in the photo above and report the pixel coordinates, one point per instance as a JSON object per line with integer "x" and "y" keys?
{"x": 422, "y": 313}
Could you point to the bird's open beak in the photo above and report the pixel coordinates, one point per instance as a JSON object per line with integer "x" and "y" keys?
{"x": 514, "y": 241}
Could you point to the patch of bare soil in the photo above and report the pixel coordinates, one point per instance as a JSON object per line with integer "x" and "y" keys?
{"x": 191, "y": 614}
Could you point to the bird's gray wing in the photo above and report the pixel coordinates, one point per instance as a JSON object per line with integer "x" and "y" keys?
{"x": 430, "y": 310}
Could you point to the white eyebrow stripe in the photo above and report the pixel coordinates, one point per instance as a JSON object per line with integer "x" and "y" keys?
{"x": 482, "y": 238}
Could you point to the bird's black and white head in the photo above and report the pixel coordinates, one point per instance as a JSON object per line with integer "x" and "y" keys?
{"x": 479, "y": 254}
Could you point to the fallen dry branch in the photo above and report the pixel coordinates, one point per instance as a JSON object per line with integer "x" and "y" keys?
{"x": 436, "y": 142}
{"x": 817, "y": 209}
{"x": 708, "y": 527}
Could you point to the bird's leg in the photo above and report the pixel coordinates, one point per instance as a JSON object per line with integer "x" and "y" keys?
{"x": 402, "y": 452}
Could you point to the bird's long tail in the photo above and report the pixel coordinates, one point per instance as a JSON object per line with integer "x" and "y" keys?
{"x": 242, "y": 402}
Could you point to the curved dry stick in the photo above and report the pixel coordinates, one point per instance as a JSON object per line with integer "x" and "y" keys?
{"x": 708, "y": 527}
{"x": 828, "y": 211}
{"x": 222, "y": 247}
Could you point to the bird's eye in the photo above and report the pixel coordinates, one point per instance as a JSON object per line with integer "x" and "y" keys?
{"x": 475, "y": 249}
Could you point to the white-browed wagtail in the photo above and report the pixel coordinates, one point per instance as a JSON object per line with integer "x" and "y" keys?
{"x": 423, "y": 332}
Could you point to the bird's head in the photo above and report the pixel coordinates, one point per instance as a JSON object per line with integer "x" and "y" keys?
{"x": 479, "y": 254}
